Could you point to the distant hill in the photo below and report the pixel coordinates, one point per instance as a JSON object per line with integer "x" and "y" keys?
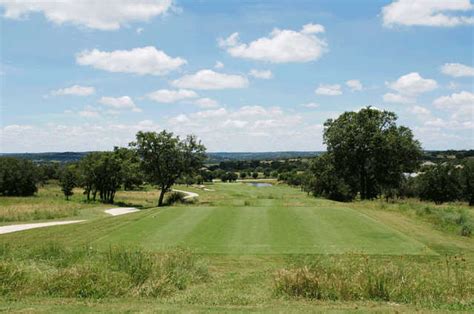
{"x": 64, "y": 157}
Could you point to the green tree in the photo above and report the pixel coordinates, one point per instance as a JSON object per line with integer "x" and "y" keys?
{"x": 440, "y": 184}
{"x": 243, "y": 175}
{"x": 326, "y": 182}
{"x": 370, "y": 152}
{"x": 255, "y": 175}
{"x": 131, "y": 172}
{"x": 18, "y": 177}
{"x": 68, "y": 181}
{"x": 165, "y": 158}
{"x": 101, "y": 173}
{"x": 467, "y": 181}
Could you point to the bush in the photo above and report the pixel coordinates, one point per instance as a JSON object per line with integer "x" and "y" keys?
{"x": 175, "y": 197}
{"x": 18, "y": 177}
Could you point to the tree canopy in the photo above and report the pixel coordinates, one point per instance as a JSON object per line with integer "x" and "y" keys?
{"x": 368, "y": 154}
{"x": 164, "y": 158}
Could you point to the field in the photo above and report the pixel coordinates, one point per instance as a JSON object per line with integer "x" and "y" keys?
{"x": 255, "y": 241}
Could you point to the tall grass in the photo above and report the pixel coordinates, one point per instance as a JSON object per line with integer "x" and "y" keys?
{"x": 357, "y": 278}
{"x": 53, "y": 270}
{"x": 454, "y": 217}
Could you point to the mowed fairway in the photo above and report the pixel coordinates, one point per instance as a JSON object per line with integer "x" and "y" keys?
{"x": 241, "y": 219}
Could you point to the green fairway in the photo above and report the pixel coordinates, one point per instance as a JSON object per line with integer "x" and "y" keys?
{"x": 241, "y": 219}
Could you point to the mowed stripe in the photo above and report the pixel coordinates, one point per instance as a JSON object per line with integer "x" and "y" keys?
{"x": 160, "y": 229}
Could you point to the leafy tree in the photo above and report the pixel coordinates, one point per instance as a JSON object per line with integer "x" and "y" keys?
{"x": 132, "y": 174}
{"x": 440, "y": 184}
{"x": 267, "y": 173}
{"x": 68, "y": 181}
{"x": 467, "y": 181}
{"x": 326, "y": 182}
{"x": 18, "y": 177}
{"x": 255, "y": 175}
{"x": 370, "y": 152}
{"x": 102, "y": 173}
{"x": 165, "y": 158}
{"x": 243, "y": 175}
{"x": 88, "y": 174}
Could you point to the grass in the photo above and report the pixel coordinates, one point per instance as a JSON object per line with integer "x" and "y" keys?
{"x": 456, "y": 218}
{"x": 83, "y": 272}
{"x": 251, "y": 238}
{"x": 49, "y": 203}
{"x": 364, "y": 278}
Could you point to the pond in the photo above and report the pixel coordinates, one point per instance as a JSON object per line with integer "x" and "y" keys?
{"x": 260, "y": 184}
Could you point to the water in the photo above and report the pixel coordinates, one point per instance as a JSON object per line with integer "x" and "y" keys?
{"x": 259, "y": 184}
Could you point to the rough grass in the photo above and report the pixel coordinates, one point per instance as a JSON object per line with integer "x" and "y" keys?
{"x": 456, "y": 218}
{"x": 445, "y": 282}
{"x": 55, "y": 271}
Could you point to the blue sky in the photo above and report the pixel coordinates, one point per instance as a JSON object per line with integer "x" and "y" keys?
{"x": 87, "y": 76}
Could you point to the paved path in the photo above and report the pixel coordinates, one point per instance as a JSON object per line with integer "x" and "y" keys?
{"x": 189, "y": 195}
{"x": 15, "y": 228}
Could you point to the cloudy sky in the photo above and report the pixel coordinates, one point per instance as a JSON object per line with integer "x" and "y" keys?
{"x": 242, "y": 75}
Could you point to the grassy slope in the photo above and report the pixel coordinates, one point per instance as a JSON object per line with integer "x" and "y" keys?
{"x": 240, "y": 219}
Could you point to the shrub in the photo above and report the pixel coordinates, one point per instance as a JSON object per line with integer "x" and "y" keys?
{"x": 175, "y": 197}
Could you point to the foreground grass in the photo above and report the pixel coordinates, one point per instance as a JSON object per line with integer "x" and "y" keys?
{"x": 443, "y": 282}
{"x": 55, "y": 271}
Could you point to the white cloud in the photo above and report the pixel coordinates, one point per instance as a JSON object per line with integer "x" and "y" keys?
{"x": 460, "y": 106}
{"x": 124, "y": 102}
{"x": 171, "y": 96}
{"x": 206, "y": 103}
{"x": 146, "y": 60}
{"x": 442, "y": 13}
{"x": 455, "y": 100}
{"x": 310, "y": 105}
{"x": 313, "y": 29}
{"x": 413, "y": 84}
{"x": 218, "y": 65}
{"x": 75, "y": 90}
{"x": 457, "y": 69}
{"x": 102, "y": 15}
{"x": 261, "y": 74}
{"x": 420, "y": 111}
{"x": 249, "y": 128}
{"x": 208, "y": 79}
{"x": 84, "y": 136}
{"x": 281, "y": 46}
{"x": 89, "y": 113}
{"x": 329, "y": 90}
{"x": 397, "y": 98}
{"x": 139, "y": 30}
{"x": 354, "y": 85}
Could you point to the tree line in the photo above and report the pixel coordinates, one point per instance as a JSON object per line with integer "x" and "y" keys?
{"x": 160, "y": 159}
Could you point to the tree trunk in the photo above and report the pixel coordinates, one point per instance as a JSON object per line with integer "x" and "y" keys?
{"x": 162, "y": 196}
